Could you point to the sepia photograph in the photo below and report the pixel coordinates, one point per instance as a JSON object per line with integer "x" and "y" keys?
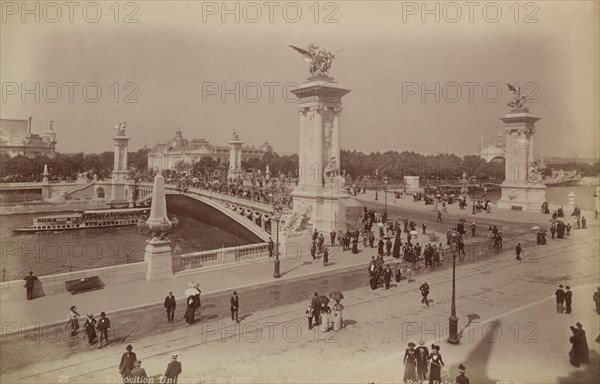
{"x": 309, "y": 191}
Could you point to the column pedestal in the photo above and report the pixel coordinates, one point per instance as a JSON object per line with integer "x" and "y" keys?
{"x": 159, "y": 260}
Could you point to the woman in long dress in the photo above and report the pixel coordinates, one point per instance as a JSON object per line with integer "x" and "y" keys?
{"x": 338, "y": 321}
{"x": 190, "y": 310}
{"x": 410, "y": 363}
{"x": 435, "y": 369}
{"x": 73, "y": 320}
{"x": 325, "y": 319}
{"x": 90, "y": 328}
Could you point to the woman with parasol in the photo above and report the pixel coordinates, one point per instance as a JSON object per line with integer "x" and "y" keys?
{"x": 90, "y": 328}
{"x": 336, "y": 314}
{"x": 193, "y": 301}
{"x": 73, "y": 320}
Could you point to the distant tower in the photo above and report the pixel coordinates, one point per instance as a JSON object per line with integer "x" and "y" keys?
{"x": 235, "y": 156}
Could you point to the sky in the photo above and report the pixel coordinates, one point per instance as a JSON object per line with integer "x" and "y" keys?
{"x": 161, "y": 66}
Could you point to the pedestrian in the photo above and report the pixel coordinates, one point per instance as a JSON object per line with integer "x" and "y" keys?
{"x": 597, "y": 300}
{"x": 127, "y": 363}
{"x": 410, "y": 363}
{"x": 575, "y": 352}
{"x": 424, "y": 288}
{"x": 325, "y": 319}
{"x": 387, "y": 276}
{"x": 462, "y": 378}
{"x": 398, "y": 273}
{"x": 424, "y": 228}
{"x": 473, "y": 227}
{"x": 170, "y": 304}
{"x": 309, "y": 315}
{"x": 583, "y": 222}
{"x": 137, "y": 373}
{"x": 271, "y": 247}
{"x": 103, "y": 328}
{"x": 235, "y": 306}
{"x": 439, "y": 217}
{"x": 409, "y": 274}
{"x": 173, "y": 371}
{"x": 73, "y": 320}
{"x": 518, "y": 251}
{"x": 380, "y": 247}
{"x": 313, "y": 250}
{"x": 29, "y": 283}
{"x": 584, "y": 350}
{"x": 90, "y": 328}
{"x": 190, "y": 310}
{"x": 315, "y": 305}
{"x": 560, "y": 299}
{"x": 325, "y": 256}
{"x": 553, "y": 230}
{"x": 435, "y": 369}
{"x": 568, "y": 299}
{"x": 422, "y": 360}
{"x": 332, "y": 236}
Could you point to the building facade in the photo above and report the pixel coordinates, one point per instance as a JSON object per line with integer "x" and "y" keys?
{"x": 16, "y": 139}
{"x": 180, "y": 149}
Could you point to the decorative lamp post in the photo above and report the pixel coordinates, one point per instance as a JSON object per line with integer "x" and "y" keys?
{"x": 277, "y": 210}
{"x": 453, "y": 334}
{"x": 385, "y": 181}
{"x": 473, "y": 205}
{"x": 376, "y": 180}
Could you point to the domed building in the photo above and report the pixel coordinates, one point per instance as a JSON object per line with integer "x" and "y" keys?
{"x": 179, "y": 149}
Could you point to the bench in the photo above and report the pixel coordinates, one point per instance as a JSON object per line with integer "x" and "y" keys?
{"x": 83, "y": 285}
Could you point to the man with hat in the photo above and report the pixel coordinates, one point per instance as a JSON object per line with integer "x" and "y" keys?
{"x": 29, "y": 283}
{"x": 103, "y": 328}
{"x": 137, "y": 374}
{"x": 173, "y": 371}
{"x": 235, "y": 306}
{"x": 424, "y": 292}
{"x": 597, "y": 300}
{"x": 316, "y": 311}
{"x": 127, "y": 362}
{"x": 462, "y": 379}
{"x": 560, "y": 299}
{"x": 170, "y": 304}
{"x": 568, "y": 299}
{"x": 422, "y": 360}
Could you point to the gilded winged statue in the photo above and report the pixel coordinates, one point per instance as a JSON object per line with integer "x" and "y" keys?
{"x": 519, "y": 100}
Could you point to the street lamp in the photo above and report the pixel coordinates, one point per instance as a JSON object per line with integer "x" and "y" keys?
{"x": 453, "y": 334}
{"x": 277, "y": 209}
{"x": 385, "y": 181}
{"x": 376, "y": 181}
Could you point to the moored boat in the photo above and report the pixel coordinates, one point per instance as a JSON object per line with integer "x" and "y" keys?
{"x": 86, "y": 219}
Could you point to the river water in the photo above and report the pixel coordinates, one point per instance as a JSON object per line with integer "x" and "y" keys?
{"x": 48, "y": 253}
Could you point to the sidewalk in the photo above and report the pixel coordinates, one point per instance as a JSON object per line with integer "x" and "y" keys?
{"x": 297, "y": 263}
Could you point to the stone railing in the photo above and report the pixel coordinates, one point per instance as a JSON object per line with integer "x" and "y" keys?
{"x": 238, "y": 254}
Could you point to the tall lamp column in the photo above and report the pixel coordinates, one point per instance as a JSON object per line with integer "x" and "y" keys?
{"x": 453, "y": 334}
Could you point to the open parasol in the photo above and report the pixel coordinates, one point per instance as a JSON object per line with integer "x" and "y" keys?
{"x": 337, "y": 296}
{"x": 462, "y": 220}
{"x": 535, "y": 227}
{"x": 322, "y": 300}
{"x": 414, "y": 233}
{"x": 380, "y": 224}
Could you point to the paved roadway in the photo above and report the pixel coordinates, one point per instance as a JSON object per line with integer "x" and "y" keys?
{"x": 46, "y": 355}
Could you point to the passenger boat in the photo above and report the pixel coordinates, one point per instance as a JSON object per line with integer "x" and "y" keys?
{"x": 86, "y": 219}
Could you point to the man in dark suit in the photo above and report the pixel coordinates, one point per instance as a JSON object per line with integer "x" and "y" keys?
{"x": 235, "y": 305}
{"x": 422, "y": 359}
{"x": 424, "y": 292}
{"x": 127, "y": 362}
{"x": 170, "y": 304}
{"x": 462, "y": 379}
{"x": 560, "y": 299}
{"x": 568, "y": 299}
{"x": 271, "y": 247}
{"x": 316, "y": 311}
{"x": 173, "y": 371}
{"x": 29, "y": 283}
{"x": 103, "y": 328}
{"x": 387, "y": 276}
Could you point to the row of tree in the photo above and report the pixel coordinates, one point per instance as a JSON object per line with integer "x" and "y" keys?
{"x": 360, "y": 166}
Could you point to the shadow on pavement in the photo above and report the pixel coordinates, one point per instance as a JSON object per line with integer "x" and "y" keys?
{"x": 470, "y": 317}
{"x": 296, "y": 267}
{"x": 478, "y": 360}
{"x": 589, "y": 373}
